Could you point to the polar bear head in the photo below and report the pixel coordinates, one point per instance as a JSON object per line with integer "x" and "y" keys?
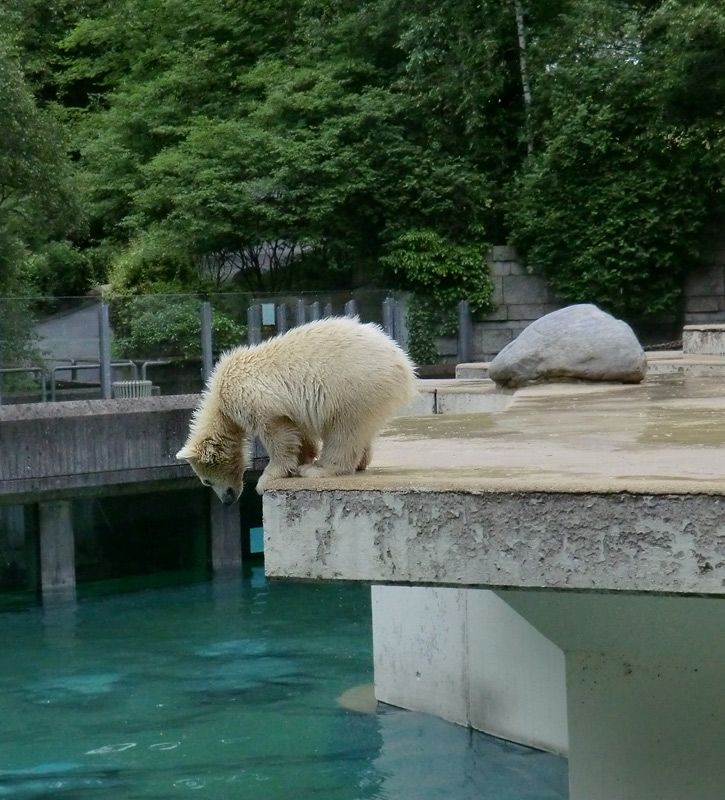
{"x": 218, "y": 462}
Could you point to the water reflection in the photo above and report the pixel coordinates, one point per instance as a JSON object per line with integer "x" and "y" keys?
{"x": 60, "y": 612}
{"x": 229, "y": 689}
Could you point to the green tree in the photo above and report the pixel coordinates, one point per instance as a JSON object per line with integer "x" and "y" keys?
{"x": 314, "y": 142}
{"x": 37, "y": 200}
{"x": 153, "y": 71}
{"x": 612, "y": 207}
{"x": 296, "y": 156}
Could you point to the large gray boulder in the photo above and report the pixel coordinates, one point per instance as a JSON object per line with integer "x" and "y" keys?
{"x": 579, "y": 342}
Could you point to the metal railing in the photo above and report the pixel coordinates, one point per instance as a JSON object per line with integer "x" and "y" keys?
{"x": 95, "y": 366}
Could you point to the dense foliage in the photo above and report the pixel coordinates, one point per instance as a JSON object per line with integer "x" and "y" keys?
{"x": 36, "y": 196}
{"x": 168, "y": 327}
{"x": 306, "y": 143}
{"x": 613, "y": 204}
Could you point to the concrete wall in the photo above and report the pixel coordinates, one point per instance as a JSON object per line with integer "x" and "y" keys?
{"x": 57, "y": 450}
{"x": 705, "y": 290}
{"x": 519, "y": 298}
{"x": 64, "y": 448}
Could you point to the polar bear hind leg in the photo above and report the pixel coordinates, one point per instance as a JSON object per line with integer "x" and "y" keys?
{"x": 366, "y": 459}
{"x": 342, "y": 454}
{"x": 308, "y": 451}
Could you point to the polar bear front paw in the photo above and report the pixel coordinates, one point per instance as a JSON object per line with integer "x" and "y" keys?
{"x": 316, "y": 471}
{"x": 272, "y": 474}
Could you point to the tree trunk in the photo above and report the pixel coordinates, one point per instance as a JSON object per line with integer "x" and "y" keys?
{"x": 523, "y": 66}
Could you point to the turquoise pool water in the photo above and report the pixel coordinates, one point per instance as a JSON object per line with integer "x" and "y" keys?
{"x": 228, "y": 689}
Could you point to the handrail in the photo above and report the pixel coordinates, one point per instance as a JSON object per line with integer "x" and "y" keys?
{"x": 151, "y": 364}
{"x": 72, "y": 367}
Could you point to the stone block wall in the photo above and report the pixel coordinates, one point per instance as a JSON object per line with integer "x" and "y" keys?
{"x": 704, "y": 300}
{"x": 519, "y": 298}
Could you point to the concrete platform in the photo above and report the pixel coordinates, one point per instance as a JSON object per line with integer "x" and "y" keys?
{"x": 457, "y": 396}
{"x": 596, "y": 514}
{"x": 664, "y": 436}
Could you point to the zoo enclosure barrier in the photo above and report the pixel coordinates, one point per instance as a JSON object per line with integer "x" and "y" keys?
{"x": 83, "y": 348}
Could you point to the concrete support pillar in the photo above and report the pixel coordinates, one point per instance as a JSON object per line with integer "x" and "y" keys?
{"x": 639, "y": 679}
{"x": 652, "y": 732}
{"x": 57, "y": 546}
{"x": 644, "y": 691}
{"x": 226, "y": 535}
{"x": 466, "y": 656}
{"x": 32, "y": 547}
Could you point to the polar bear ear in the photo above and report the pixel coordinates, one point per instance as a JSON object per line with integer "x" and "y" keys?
{"x": 207, "y": 452}
{"x": 203, "y": 452}
{"x": 185, "y": 454}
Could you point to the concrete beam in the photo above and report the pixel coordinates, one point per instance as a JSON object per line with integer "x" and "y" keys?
{"x": 69, "y": 446}
{"x": 602, "y": 542}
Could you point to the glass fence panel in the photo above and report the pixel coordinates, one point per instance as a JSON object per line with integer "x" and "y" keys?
{"x": 51, "y": 348}
{"x": 44, "y": 340}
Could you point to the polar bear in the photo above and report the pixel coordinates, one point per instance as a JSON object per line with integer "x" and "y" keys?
{"x": 316, "y": 397}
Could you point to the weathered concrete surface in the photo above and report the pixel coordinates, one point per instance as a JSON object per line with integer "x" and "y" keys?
{"x": 611, "y": 488}
{"x": 456, "y": 396}
{"x": 627, "y": 542}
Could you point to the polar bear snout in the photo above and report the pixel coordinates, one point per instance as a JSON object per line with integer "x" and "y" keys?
{"x": 228, "y": 496}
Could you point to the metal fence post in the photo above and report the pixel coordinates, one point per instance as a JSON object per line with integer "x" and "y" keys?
{"x": 315, "y": 310}
{"x": 465, "y": 332}
{"x": 104, "y": 347}
{"x": 282, "y": 318}
{"x": 389, "y": 316}
{"x": 254, "y": 324}
{"x": 399, "y": 324}
{"x": 351, "y": 308}
{"x": 1, "y": 355}
{"x": 207, "y": 357}
{"x": 300, "y": 312}
{"x": 328, "y": 310}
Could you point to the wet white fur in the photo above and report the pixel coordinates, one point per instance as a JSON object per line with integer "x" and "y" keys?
{"x": 334, "y": 382}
